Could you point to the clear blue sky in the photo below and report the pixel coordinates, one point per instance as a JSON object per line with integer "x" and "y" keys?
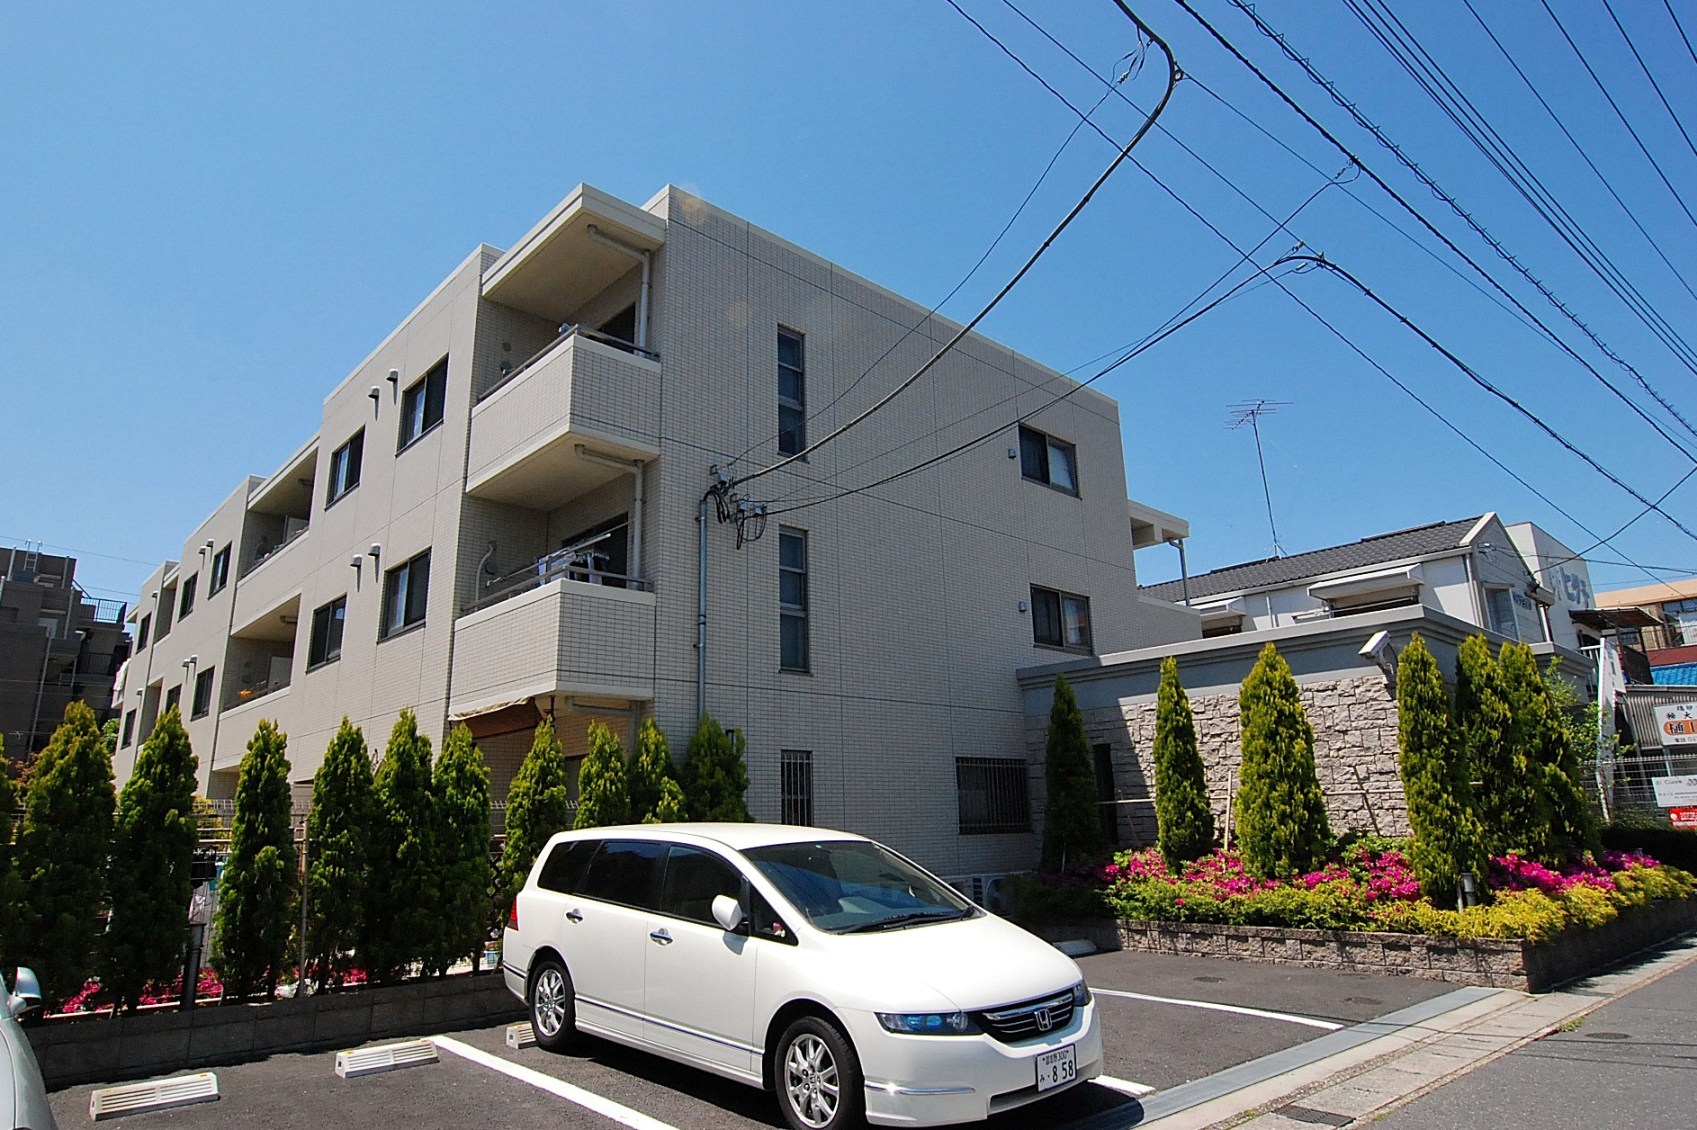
{"x": 212, "y": 212}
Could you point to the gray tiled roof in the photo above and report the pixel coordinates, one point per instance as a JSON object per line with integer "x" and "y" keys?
{"x": 1417, "y": 541}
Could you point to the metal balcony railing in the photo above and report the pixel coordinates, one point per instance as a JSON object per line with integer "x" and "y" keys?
{"x": 252, "y": 692}
{"x": 568, "y": 331}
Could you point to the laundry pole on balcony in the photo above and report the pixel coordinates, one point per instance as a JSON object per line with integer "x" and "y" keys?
{"x": 647, "y": 258}
{"x": 636, "y": 467}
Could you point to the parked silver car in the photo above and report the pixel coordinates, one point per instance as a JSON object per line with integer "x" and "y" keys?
{"x": 23, "y": 1100}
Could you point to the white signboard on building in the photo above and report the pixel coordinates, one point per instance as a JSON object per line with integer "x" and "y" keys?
{"x": 1677, "y": 723}
{"x": 1675, "y": 792}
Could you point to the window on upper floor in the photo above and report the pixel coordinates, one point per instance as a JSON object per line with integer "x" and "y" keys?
{"x": 406, "y": 590}
{"x": 1680, "y": 616}
{"x": 422, "y": 404}
{"x": 219, "y": 575}
{"x": 325, "y": 642}
{"x": 1499, "y": 609}
{"x": 344, "y": 467}
{"x": 792, "y": 393}
{"x": 144, "y": 631}
{"x": 202, "y": 694}
{"x": 172, "y": 698}
{"x": 1045, "y": 459}
{"x": 1060, "y": 619}
{"x": 187, "y": 604}
{"x": 992, "y": 795}
{"x": 129, "y": 728}
{"x": 792, "y": 601}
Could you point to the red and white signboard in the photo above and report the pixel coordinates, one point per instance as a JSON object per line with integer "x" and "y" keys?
{"x": 1683, "y": 817}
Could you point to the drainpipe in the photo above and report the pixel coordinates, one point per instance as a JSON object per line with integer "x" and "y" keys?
{"x": 1183, "y": 570}
{"x": 636, "y": 468}
{"x": 701, "y": 611}
{"x": 647, "y": 258}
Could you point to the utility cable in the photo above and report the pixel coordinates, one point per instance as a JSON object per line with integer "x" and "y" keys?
{"x": 1628, "y": 524}
{"x": 1654, "y": 85}
{"x": 1173, "y": 76}
{"x": 1324, "y": 263}
{"x": 1686, "y": 39}
{"x": 1420, "y": 218}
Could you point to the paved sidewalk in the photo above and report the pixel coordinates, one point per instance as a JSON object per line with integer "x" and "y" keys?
{"x": 1351, "y": 1076}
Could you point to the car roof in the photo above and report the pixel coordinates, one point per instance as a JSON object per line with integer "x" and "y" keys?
{"x": 737, "y": 837}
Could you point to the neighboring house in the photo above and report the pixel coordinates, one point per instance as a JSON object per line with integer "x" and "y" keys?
{"x": 1339, "y": 617}
{"x": 498, "y": 518}
{"x": 57, "y": 645}
{"x": 1667, "y": 629}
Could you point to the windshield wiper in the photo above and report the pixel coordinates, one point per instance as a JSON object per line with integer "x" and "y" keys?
{"x": 906, "y": 920}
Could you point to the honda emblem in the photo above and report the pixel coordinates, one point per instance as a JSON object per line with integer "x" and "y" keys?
{"x": 1044, "y": 1020}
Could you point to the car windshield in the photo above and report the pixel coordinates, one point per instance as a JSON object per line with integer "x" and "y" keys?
{"x": 854, "y": 886}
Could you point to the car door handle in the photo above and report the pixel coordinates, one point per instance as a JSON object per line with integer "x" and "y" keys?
{"x": 662, "y": 937}
{"x": 573, "y": 915}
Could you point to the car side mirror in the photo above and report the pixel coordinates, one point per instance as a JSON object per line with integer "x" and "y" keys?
{"x": 26, "y": 992}
{"x": 727, "y": 912}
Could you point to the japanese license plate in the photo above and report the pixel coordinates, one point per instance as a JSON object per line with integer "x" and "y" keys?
{"x": 1056, "y": 1068}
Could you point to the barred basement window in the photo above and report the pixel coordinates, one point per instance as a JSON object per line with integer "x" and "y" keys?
{"x": 993, "y": 795}
{"x": 796, "y": 770}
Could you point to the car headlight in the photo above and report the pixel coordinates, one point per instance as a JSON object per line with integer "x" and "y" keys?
{"x": 928, "y": 1023}
{"x": 1080, "y": 995}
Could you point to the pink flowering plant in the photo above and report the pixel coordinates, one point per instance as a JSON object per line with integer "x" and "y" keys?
{"x": 92, "y": 998}
{"x": 1369, "y": 885}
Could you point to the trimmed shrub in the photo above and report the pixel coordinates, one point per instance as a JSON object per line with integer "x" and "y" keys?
{"x": 462, "y": 806}
{"x": 539, "y": 804}
{"x": 715, "y": 774}
{"x": 655, "y": 795}
{"x": 1072, "y": 826}
{"x": 1533, "y": 751}
{"x": 337, "y": 828}
{"x": 1675, "y": 846}
{"x": 1505, "y": 794}
{"x": 63, "y": 843}
{"x": 603, "y": 797}
{"x": 1281, "y": 812}
{"x": 403, "y": 922}
{"x": 1434, "y": 778}
{"x": 257, "y": 892}
{"x": 1569, "y": 756}
{"x": 1184, "y": 819}
{"x": 153, "y": 845}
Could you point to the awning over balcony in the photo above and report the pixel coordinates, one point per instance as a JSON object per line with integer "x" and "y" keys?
{"x": 559, "y": 265}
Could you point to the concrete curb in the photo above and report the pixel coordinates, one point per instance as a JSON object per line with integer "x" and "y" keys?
{"x": 107, "y": 1050}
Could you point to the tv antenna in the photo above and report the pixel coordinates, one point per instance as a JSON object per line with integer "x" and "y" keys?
{"x": 1250, "y": 412}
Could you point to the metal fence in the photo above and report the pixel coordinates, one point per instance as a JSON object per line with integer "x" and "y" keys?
{"x": 1624, "y": 789}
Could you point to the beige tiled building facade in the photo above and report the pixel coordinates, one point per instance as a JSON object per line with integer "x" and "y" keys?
{"x": 496, "y": 519}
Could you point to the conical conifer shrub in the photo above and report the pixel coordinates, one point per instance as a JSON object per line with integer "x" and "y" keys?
{"x": 1434, "y": 778}
{"x": 538, "y": 805}
{"x": 338, "y": 828}
{"x": 256, "y": 894}
{"x": 1184, "y": 819}
{"x": 603, "y": 796}
{"x": 1281, "y": 813}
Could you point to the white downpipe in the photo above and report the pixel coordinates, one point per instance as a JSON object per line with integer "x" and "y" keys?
{"x": 647, "y": 258}
{"x": 636, "y": 468}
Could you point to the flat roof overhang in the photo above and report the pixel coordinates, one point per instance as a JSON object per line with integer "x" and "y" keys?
{"x": 559, "y": 265}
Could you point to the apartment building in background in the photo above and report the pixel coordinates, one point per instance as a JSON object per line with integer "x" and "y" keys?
{"x": 500, "y": 517}
{"x": 58, "y": 644}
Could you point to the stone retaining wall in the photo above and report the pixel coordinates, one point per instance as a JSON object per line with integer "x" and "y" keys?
{"x": 1497, "y": 963}
{"x": 105, "y": 1050}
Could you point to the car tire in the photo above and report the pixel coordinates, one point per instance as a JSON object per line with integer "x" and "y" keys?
{"x": 817, "y": 1077}
{"x": 553, "y": 1006}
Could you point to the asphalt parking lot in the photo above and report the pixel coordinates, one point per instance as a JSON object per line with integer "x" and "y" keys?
{"x": 1166, "y": 1020}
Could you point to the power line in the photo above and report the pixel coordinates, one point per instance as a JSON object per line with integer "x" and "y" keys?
{"x": 1628, "y": 524}
{"x": 1173, "y": 76}
{"x": 1674, "y": 16}
{"x": 1654, "y": 85}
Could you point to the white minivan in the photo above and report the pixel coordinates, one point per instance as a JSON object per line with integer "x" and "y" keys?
{"x": 819, "y": 964}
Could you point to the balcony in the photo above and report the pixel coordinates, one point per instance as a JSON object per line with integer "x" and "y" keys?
{"x": 525, "y": 433}
{"x": 567, "y": 258}
{"x": 565, "y": 636}
{"x": 271, "y": 588}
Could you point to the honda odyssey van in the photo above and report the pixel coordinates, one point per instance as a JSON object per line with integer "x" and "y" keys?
{"x": 819, "y": 965}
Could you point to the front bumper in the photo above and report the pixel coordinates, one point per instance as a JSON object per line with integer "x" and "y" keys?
{"x": 937, "y": 1080}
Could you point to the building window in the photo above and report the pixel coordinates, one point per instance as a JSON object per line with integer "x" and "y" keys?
{"x": 325, "y": 643}
{"x": 792, "y": 394}
{"x": 220, "y": 573}
{"x": 187, "y": 604}
{"x": 992, "y": 794}
{"x": 792, "y": 600}
{"x": 1045, "y": 459}
{"x": 1680, "y": 616}
{"x": 1499, "y": 604}
{"x": 421, "y": 404}
{"x": 172, "y": 697}
{"x": 144, "y": 631}
{"x": 1060, "y": 619}
{"x": 344, "y": 467}
{"x": 796, "y": 771}
{"x": 129, "y": 728}
{"x": 202, "y": 694}
{"x": 406, "y": 588}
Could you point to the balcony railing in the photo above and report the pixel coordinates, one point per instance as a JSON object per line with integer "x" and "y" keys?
{"x": 266, "y": 551}
{"x": 253, "y": 692}
{"x": 581, "y": 563}
{"x": 568, "y": 331}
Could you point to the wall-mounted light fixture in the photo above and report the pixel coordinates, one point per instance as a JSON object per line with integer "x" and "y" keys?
{"x": 191, "y": 661}
{"x": 356, "y": 561}
{"x": 374, "y": 393}
{"x": 1024, "y": 607}
{"x": 394, "y": 377}
{"x": 376, "y": 550}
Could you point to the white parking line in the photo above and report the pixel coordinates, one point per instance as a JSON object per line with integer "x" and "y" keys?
{"x": 1291, "y": 1018}
{"x": 1125, "y": 1085}
{"x": 607, "y": 1108}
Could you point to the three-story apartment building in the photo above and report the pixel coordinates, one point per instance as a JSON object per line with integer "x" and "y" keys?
{"x": 504, "y": 514}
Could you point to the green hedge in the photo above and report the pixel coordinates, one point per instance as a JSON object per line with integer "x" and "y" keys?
{"x": 1676, "y": 847}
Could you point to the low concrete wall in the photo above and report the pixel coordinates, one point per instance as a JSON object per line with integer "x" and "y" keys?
{"x": 1497, "y": 963}
{"x": 137, "y": 1047}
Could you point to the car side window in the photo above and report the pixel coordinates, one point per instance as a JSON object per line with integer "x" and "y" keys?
{"x": 694, "y": 878}
{"x": 625, "y": 872}
{"x": 763, "y": 921}
{"x": 565, "y": 866}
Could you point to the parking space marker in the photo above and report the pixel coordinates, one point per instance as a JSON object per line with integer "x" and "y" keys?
{"x": 354, "y": 1062}
{"x": 520, "y": 1035}
{"x": 1125, "y": 1085}
{"x": 158, "y": 1094}
{"x": 1291, "y": 1018}
{"x": 589, "y": 1100}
